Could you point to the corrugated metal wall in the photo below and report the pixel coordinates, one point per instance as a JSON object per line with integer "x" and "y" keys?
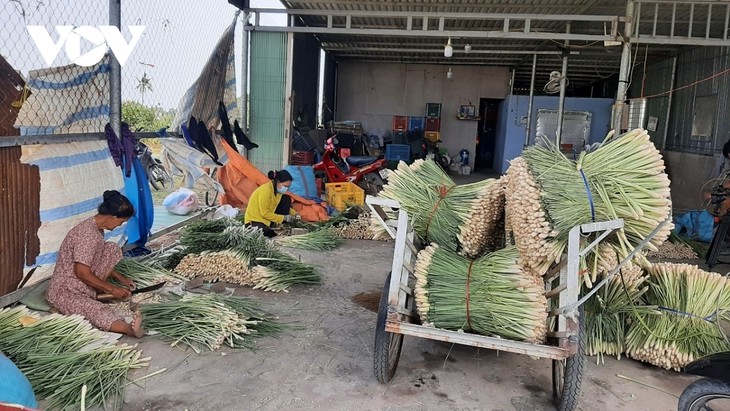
{"x": 658, "y": 80}
{"x": 692, "y": 66}
{"x": 19, "y": 217}
{"x": 268, "y": 98}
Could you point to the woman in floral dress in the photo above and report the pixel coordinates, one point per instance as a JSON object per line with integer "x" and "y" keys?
{"x": 86, "y": 262}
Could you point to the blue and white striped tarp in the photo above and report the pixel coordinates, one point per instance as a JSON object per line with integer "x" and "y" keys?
{"x": 67, "y": 99}
{"x": 74, "y": 177}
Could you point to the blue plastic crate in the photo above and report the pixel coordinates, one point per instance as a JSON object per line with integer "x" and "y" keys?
{"x": 415, "y": 123}
{"x": 398, "y": 152}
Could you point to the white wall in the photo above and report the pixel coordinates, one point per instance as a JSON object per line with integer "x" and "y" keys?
{"x": 372, "y": 93}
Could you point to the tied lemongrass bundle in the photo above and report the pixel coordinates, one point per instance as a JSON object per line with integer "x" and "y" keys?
{"x": 608, "y": 312}
{"x": 61, "y": 354}
{"x": 319, "y": 240}
{"x": 208, "y": 321}
{"x": 690, "y": 303}
{"x": 490, "y": 295}
{"x": 456, "y": 217}
{"x": 548, "y": 194}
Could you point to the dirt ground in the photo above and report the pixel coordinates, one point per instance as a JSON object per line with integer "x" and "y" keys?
{"x": 327, "y": 364}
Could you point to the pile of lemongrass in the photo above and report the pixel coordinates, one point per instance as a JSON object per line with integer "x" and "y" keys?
{"x": 61, "y": 354}
{"x": 456, "y": 217}
{"x": 489, "y": 296}
{"x": 608, "y": 312}
{"x": 225, "y": 250}
{"x": 208, "y": 321}
{"x": 145, "y": 274}
{"x": 319, "y": 240}
{"x": 547, "y": 194}
{"x": 690, "y": 304}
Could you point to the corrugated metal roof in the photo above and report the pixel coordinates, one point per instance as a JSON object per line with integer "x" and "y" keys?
{"x": 591, "y": 61}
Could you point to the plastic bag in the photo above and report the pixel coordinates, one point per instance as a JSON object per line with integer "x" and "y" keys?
{"x": 181, "y": 202}
{"x": 225, "y": 211}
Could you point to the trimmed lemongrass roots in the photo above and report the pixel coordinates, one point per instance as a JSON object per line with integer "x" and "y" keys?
{"x": 609, "y": 310}
{"x": 456, "y": 217}
{"x": 319, "y": 240}
{"x": 547, "y": 195}
{"x": 242, "y": 255}
{"x": 490, "y": 295}
{"x": 60, "y": 354}
{"x": 690, "y": 304}
{"x": 209, "y": 321}
{"x": 144, "y": 274}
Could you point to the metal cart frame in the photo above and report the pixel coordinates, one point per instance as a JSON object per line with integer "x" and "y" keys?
{"x": 397, "y": 315}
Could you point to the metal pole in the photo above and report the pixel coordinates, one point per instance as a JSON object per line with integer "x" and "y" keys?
{"x": 561, "y": 100}
{"x": 624, "y": 70}
{"x": 115, "y": 73}
{"x": 512, "y": 82}
{"x": 528, "y": 127}
{"x": 669, "y": 103}
{"x": 244, "y": 74}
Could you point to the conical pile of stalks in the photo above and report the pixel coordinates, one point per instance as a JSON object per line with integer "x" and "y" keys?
{"x": 489, "y": 296}
{"x": 690, "y": 304}
{"x": 547, "y": 194}
{"x": 456, "y": 217}
{"x": 608, "y": 312}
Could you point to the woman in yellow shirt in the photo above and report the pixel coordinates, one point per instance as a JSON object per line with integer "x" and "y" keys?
{"x": 270, "y": 204}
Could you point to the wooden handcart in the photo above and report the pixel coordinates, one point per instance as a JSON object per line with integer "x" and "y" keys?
{"x": 565, "y": 346}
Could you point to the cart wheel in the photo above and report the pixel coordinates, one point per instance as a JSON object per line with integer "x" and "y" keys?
{"x": 568, "y": 373}
{"x": 387, "y": 344}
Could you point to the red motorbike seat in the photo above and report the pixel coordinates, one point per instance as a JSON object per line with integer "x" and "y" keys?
{"x": 359, "y": 161}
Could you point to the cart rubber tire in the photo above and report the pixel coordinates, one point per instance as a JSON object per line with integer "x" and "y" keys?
{"x": 566, "y": 396}
{"x": 697, "y": 394}
{"x": 387, "y": 344}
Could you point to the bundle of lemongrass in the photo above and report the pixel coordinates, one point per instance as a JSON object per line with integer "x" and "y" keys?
{"x": 490, "y": 295}
{"x": 144, "y": 274}
{"x": 547, "y": 194}
{"x": 319, "y": 240}
{"x": 61, "y": 354}
{"x": 457, "y": 217}
{"x": 690, "y": 304}
{"x": 608, "y": 312}
{"x": 209, "y": 321}
{"x": 239, "y": 254}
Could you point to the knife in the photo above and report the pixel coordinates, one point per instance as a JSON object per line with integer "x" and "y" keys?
{"x": 135, "y": 291}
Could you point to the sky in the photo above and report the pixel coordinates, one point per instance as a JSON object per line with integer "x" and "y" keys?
{"x": 178, "y": 39}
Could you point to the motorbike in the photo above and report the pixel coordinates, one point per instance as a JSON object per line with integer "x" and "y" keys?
{"x": 430, "y": 151}
{"x": 711, "y": 392}
{"x": 370, "y": 173}
{"x": 156, "y": 174}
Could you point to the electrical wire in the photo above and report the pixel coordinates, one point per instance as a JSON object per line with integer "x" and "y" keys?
{"x": 717, "y": 74}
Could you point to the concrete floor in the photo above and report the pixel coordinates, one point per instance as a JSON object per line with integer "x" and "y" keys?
{"x": 328, "y": 363}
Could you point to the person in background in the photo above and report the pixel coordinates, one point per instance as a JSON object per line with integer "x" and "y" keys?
{"x": 269, "y": 204}
{"x": 85, "y": 264}
{"x": 722, "y": 166}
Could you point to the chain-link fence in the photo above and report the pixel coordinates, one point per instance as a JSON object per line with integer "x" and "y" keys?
{"x": 54, "y": 71}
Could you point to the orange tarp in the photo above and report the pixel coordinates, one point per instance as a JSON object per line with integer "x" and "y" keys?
{"x": 240, "y": 178}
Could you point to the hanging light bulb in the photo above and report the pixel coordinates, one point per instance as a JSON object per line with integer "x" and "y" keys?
{"x": 449, "y": 74}
{"x": 449, "y": 49}
{"x": 467, "y": 48}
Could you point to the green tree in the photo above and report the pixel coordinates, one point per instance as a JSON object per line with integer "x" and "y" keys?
{"x": 144, "y": 118}
{"x": 144, "y": 85}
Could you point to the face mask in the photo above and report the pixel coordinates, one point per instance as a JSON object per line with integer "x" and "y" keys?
{"x": 282, "y": 189}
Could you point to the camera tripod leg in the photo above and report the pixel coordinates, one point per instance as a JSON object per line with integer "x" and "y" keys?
{"x": 718, "y": 241}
